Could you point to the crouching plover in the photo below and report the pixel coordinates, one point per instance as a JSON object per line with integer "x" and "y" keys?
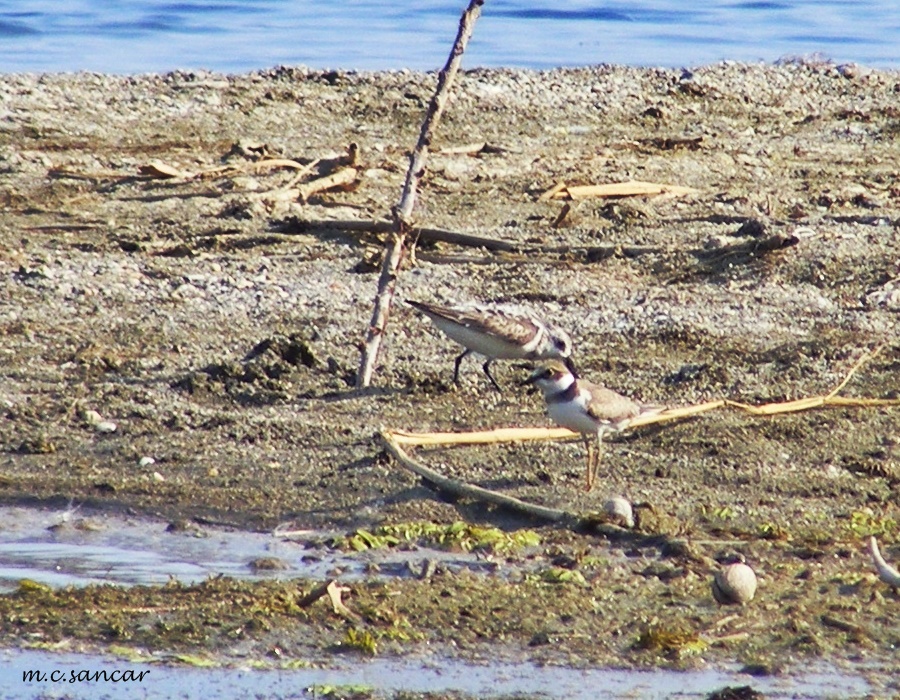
{"x": 586, "y": 408}
{"x": 498, "y": 334}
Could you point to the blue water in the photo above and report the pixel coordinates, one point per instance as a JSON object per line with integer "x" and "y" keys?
{"x": 137, "y": 36}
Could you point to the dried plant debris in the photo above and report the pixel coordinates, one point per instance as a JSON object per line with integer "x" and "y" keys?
{"x": 632, "y": 188}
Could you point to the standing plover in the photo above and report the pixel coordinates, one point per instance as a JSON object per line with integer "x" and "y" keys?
{"x": 498, "y": 334}
{"x": 586, "y": 408}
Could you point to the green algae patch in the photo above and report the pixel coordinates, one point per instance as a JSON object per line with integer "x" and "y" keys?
{"x": 172, "y": 617}
{"x": 675, "y": 642}
{"x": 557, "y": 574}
{"x": 576, "y": 599}
{"x": 195, "y": 660}
{"x": 865, "y": 522}
{"x": 361, "y": 640}
{"x": 457, "y": 536}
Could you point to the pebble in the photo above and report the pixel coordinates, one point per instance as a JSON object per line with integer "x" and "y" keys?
{"x": 91, "y": 417}
{"x": 619, "y": 512}
{"x": 105, "y": 426}
{"x": 734, "y": 584}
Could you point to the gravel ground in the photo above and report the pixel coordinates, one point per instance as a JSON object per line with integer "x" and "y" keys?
{"x": 216, "y": 326}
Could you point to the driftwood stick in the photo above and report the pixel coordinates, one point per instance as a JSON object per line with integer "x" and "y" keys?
{"x": 886, "y": 572}
{"x": 500, "y": 435}
{"x": 562, "y": 518}
{"x": 469, "y": 240}
{"x": 402, "y": 213}
{"x": 429, "y": 234}
{"x": 621, "y": 189}
{"x": 417, "y": 160}
{"x": 459, "y": 488}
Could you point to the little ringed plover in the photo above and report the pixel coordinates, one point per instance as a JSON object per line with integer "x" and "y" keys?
{"x": 586, "y": 408}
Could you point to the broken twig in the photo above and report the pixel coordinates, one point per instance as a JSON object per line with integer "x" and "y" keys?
{"x": 498, "y": 435}
{"x": 339, "y": 178}
{"x": 402, "y": 213}
{"x": 468, "y": 240}
{"x": 164, "y": 171}
{"x": 632, "y": 188}
{"x": 334, "y": 591}
{"x": 829, "y": 399}
{"x": 461, "y": 489}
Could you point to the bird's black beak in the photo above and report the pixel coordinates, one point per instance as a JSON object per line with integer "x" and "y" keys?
{"x": 570, "y": 365}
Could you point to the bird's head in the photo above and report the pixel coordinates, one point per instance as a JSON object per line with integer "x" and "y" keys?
{"x": 551, "y": 377}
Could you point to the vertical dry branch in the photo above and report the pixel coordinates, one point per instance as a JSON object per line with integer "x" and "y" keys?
{"x": 402, "y": 212}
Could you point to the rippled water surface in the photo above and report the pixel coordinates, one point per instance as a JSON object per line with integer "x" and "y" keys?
{"x": 131, "y": 36}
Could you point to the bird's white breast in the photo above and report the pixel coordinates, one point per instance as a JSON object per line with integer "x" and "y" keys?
{"x": 572, "y": 415}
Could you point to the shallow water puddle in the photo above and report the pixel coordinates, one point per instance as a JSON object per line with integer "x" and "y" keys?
{"x": 60, "y": 548}
{"x": 386, "y": 676}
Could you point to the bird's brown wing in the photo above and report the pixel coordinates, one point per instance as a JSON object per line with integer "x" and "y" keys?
{"x": 607, "y": 406}
{"x": 515, "y": 328}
